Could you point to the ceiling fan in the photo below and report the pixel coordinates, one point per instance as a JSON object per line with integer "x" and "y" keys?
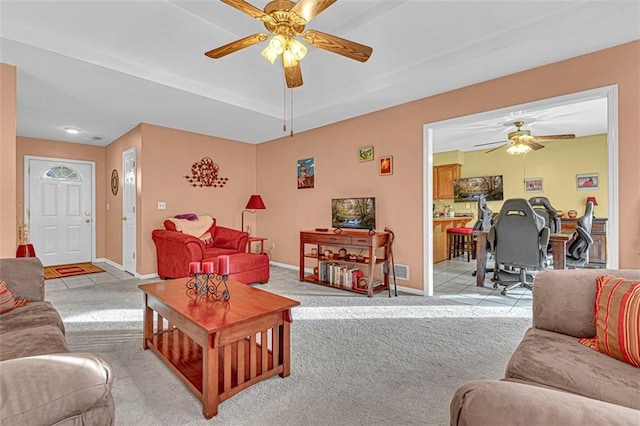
{"x": 521, "y": 141}
{"x": 285, "y": 20}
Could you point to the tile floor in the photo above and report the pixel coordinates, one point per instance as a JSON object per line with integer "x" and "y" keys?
{"x": 452, "y": 281}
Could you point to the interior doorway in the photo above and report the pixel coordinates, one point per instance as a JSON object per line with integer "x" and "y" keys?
{"x": 129, "y": 193}
{"x": 58, "y": 209}
{"x": 430, "y": 139}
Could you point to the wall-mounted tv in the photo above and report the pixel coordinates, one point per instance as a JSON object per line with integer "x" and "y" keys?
{"x": 470, "y": 189}
{"x": 355, "y": 213}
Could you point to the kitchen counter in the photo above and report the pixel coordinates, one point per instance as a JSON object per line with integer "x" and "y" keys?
{"x": 440, "y": 226}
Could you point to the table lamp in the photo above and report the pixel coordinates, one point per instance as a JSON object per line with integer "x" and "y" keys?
{"x": 255, "y": 203}
{"x": 595, "y": 203}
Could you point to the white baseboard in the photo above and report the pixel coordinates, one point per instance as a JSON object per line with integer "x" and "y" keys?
{"x": 120, "y": 267}
{"x": 109, "y": 262}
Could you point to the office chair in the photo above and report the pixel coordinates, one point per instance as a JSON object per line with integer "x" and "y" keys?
{"x": 519, "y": 240}
{"x": 484, "y": 222}
{"x": 542, "y": 206}
{"x": 578, "y": 249}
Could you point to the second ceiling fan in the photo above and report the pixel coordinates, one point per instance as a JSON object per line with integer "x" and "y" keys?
{"x": 522, "y": 141}
{"x": 285, "y": 20}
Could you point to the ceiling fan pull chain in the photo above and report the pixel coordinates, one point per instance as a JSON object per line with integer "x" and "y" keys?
{"x": 284, "y": 108}
{"x": 291, "y": 118}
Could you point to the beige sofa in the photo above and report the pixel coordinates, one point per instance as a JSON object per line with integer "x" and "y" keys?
{"x": 41, "y": 382}
{"x": 551, "y": 378}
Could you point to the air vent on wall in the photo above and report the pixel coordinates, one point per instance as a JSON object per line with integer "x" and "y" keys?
{"x": 402, "y": 271}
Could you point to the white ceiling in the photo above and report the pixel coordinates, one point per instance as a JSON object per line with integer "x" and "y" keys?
{"x": 105, "y": 66}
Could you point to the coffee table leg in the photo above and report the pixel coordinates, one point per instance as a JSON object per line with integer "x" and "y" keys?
{"x": 285, "y": 349}
{"x": 210, "y": 397}
{"x": 148, "y": 324}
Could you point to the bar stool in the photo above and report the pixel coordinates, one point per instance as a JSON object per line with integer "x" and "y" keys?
{"x": 460, "y": 241}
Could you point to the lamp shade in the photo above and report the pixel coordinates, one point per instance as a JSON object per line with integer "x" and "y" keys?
{"x": 593, "y": 200}
{"x": 255, "y": 203}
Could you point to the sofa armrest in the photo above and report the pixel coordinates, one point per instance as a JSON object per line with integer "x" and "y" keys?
{"x": 174, "y": 251}
{"x": 24, "y": 276}
{"x": 230, "y": 239}
{"x": 564, "y": 300}
{"x": 46, "y": 389}
{"x": 487, "y": 402}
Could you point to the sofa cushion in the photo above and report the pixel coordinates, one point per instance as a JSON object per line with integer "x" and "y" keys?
{"x": 33, "y": 314}
{"x": 617, "y": 319}
{"x": 491, "y": 403}
{"x": 561, "y": 362}
{"x": 226, "y": 238}
{"x": 42, "y": 340}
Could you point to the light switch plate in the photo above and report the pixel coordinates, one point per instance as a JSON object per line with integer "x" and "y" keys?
{"x": 162, "y": 205}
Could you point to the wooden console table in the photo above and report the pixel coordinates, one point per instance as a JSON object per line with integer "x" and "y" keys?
{"x": 361, "y": 240}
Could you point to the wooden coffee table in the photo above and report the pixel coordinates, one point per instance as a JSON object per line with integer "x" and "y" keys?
{"x": 218, "y": 348}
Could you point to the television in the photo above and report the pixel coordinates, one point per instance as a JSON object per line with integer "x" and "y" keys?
{"x": 353, "y": 213}
{"x": 472, "y": 188}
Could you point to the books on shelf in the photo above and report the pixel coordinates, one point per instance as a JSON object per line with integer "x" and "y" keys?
{"x": 339, "y": 274}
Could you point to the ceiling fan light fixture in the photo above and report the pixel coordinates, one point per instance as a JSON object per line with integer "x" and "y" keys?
{"x": 519, "y": 148}
{"x": 275, "y": 47}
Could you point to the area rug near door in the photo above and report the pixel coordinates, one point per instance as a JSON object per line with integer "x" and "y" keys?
{"x": 63, "y": 271}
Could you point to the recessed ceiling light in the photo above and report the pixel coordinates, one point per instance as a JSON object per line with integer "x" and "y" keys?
{"x": 72, "y": 130}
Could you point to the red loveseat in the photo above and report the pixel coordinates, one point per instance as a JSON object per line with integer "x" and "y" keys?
{"x": 175, "y": 250}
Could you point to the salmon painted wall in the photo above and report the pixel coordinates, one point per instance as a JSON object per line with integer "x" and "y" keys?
{"x": 8, "y": 220}
{"x": 68, "y": 151}
{"x": 398, "y": 131}
{"x": 113, "y": 203}
{"x": 165, "y": 157}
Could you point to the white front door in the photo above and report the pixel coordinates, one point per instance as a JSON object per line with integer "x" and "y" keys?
{"x": 59, "y": 210}
{"x": 129, "y": 211}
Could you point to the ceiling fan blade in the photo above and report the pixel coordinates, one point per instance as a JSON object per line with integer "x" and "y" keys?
{"x": 554, "y": 137}
{"x": 236, "y": 45}
{"x": 292, "y": 74}
{"x": 494, "y": 149}
{"x": 490, "y": 143}
{"x": 249, "y": 9}
{"x": 309, "y": 9}
{"x": 338, "y": 45}
{"x": 533, "y": 145}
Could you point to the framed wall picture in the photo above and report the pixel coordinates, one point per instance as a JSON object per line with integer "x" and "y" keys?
{"x": 588, "y": 181}
{"x": 533, "y": 185}
{"x": 365, "y": 153}
{"x": 386, "y": 165}
{"x": 306, "y": 173}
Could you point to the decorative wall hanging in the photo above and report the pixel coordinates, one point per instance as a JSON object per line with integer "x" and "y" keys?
{"x": 365, "y": 153}
{"x": 533, "y": 185}
{"x": 588, "y": 181}
{"x": 306, "y": 173}
{"x": 205, "y": 173}
{"x": 115, "y": 182}
{"x": 386, "y": 165}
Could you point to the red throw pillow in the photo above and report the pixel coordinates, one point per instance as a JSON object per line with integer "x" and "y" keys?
{"x": 7, "y": 300}
{"x": 617, "y": 315}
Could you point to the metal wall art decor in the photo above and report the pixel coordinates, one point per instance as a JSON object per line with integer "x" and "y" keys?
{"x": 205, "y": 173}
{"x": 115, "y": 182}
{"x": 205, "y": 285}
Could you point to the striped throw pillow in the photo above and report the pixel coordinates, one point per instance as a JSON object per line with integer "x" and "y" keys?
{"x": 7, "y": 300}
{"x": 617, "y": 319}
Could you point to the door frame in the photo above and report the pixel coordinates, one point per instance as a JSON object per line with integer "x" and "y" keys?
{"x": 613, "y": 223}
{"x": 26, "y": 193}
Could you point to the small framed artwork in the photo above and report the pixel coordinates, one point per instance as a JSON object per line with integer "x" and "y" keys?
{"x": 533, "y": 185}
{"x": 306, "y": 173}
{"x": 588, "y": 181}
{"x": 386, "y": 165}
{"x": 365, "y": 153}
